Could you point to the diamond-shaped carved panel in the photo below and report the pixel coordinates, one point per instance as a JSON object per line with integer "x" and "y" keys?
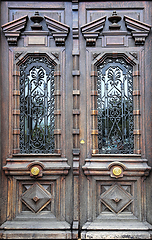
{"x": 116, "y": 198}
{"x": 36, "y": 197}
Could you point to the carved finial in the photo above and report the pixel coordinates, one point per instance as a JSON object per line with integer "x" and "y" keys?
{"x": 36, "y": 19}
{"x": 114, "y": 19}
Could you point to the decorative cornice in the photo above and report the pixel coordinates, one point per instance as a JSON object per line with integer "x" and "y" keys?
{"x": 15, "y": 25}
{"x": 103, "y": 165}
{"x": 135, "y": 25}
{"x": 92, "y": 30}
{"x": 139, "y": 30}
{"x": 12, "y": 30}
{"x": 59, "y": 30}
{"x": 49, "y": 165}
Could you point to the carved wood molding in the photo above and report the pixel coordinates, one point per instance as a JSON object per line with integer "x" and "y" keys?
{"x": 139, "y": 30}
{"x": 59, "y": 30}
{"x": 28, "y": 197}
{"x": 98, "y": 58}
{"x": 12, "y": 30}
{"x": 116, "y": 198}
{"x": 36, "y": 197}
{"x": 103, "y": 165}
{"x": 76, "y": 164}
{"x": 91, "y": 30}
{"x": 49, "y": 165}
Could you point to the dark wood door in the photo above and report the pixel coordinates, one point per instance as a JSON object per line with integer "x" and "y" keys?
{"x": 76, "y": 119}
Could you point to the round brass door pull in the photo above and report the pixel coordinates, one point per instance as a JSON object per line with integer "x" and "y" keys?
{"x": 35, "y": 171}
{"x": 117, "y": 171}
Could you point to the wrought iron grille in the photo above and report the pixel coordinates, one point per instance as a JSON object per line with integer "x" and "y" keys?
{"x": 115, "y": 107}
{"x": 37, "y": 104}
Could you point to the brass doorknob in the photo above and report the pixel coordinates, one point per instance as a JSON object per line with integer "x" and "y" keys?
{"x": 117, "y": 171}
{"x": 35, "y": 171}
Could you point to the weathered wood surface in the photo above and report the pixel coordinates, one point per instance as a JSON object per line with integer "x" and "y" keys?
{"x": 80, "y": 194}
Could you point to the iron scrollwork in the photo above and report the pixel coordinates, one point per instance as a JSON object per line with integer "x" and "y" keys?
{"x": 115, "y": 107}
{"x": 37, "y": 105}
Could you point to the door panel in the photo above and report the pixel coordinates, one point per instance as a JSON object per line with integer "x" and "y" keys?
{"x": 75, "y": 125}
{"x": 112, "y": 197}
{"x": 38, "y": 182}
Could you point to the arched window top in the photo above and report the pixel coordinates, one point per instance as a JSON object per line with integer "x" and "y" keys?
{"x": 114, "y": 55}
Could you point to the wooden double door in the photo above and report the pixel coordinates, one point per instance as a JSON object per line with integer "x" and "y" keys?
{"x": 76, "y": 120}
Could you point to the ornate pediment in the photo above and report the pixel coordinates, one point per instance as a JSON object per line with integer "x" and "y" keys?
{"x": 59, "y": 30}
{"x": 139, "y": 30}
{"x": 12, "y": 30}
{"x": 92, "y": 30}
